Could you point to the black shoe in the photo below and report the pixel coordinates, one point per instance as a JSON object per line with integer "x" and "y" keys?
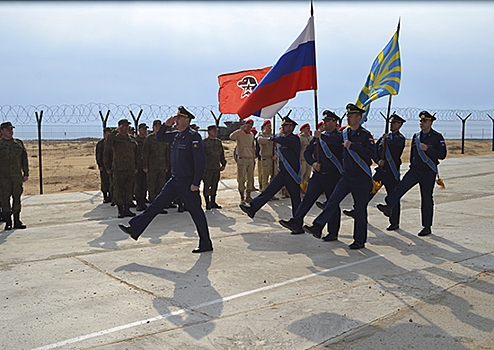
{"x": 112, "y": 204}
{"x": 208, "y": 206}
{"x": 425, "y": 231}
{"x": 181, "y": 208}
{"x": 215, "y": 205}
{"x": 393, "y": 227}
{"x": 348, "y": 212}
{"x": 121, "y": 212}
{"x": 141, "y": 207}
{"x": 106, "y": 198}
{"x": 248, "y": 210}
{"x": 315, "y": 229}
{"x": 127, "y": 211}
{"x": 356, "y": 245}
{"x": 292, "y": 226}
{"x": 171, "y": 206}
{"x": 321, "y": 205}
{"x": 202, "y": 250}
{"x": 330, "y": 237}
{"x": 1, "y": 217}
{"x": 386, "y": 209}
{"x": 8, "y": 222}
{"x": 163, "y": 212}
{"x": 130, "y": 231}
{"x": 17, "y": 222}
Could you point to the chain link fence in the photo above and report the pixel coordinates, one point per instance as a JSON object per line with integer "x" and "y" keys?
{"x": 69, "y": 133}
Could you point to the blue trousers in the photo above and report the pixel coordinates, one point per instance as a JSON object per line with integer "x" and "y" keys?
{"x": 388, "y": 180}
{"x": 426, "y": 180}
{"x": 279, "y": 181}
{"x": 319, "y": 183}
{"x": 359, "y": 187}
{"x": 176, "y": 187}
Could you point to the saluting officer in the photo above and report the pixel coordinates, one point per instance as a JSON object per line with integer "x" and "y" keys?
{"x": 14, "y": 170}
{"x": 104, "y": 176}
{"x": 359, "y": 149}
{"x": 215, "y": 164}
{"x": 326, "y": 174}
{"x": 428, "y": 147}
{"x": 188, "y": 160}
{"x": 140, "y": 183}
{"x": 288, "y": 171}
{"x": 305, "y": 138}
{"x": 388, "y": 157}
{"x": 123, "y": 166}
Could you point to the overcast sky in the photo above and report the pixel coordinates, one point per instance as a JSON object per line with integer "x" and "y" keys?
{"x": 171, "y": 53}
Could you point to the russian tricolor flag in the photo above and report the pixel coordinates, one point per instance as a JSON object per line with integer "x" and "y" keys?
{"x": 295, "y": 71}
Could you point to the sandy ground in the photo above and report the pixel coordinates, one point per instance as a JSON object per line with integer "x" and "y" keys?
{"x": 70, "y": 166}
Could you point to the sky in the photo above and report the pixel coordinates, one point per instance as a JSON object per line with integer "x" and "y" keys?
{"x": 171, "y": 53}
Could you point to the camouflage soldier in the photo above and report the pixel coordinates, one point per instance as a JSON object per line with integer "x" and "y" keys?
{"x": 14, "y": 170}
{"x": 104, "y": 176}
{"x": 140, "y": 183}
{"x": 305, "y": 138}
{"x": 215, "y": 163}
{"x": 123, "y": 167}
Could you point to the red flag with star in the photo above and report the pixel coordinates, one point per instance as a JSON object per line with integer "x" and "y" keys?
{"x": 236, "y": 87}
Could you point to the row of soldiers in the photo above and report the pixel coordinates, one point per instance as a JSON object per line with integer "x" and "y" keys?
{"x": 139, "y": 166}
{"x": 341, "y": 162}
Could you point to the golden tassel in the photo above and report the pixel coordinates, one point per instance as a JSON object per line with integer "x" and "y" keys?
{"x": 376, "y": 186}
{"x": 303, "y": 186}
{"x": 440, "y": 183}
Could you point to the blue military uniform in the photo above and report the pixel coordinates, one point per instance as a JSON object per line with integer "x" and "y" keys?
{"x": 356, "y": 179}
{"x": 288, "y": 173}
{"x": 325, "y": 180}
{"x": 422, "y": 173}
{"x": 188, "y": 160}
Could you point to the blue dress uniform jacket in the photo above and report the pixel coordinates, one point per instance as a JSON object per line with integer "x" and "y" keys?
{"x": 354, "y": 180}
{"x": 290, "y": 149}
{"x": 324, "y": 180}
{"x": 395, "y": 143}
{"x": 421, "y": 173}
{"x": 188, "y": 159}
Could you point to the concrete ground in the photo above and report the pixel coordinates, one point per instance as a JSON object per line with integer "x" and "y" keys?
{"x": 73, "y": 280}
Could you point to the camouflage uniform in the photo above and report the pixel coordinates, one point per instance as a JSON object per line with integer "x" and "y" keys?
{"x": 140, "y": 184}
{"x": 104, "y": 176}
{"x": 215, "y": 159}
{"x": 155, "y": 158}
{"x": 13, "y": 166}
{"x": 123, "y": 166}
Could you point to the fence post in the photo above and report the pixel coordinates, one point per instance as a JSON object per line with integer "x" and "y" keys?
{"x": 136, "y": 120}
{"x": 463, "y": 122}
{"x": 104, "y": 120}
{"x": 492, "y": 131}
{"x": 40, "y": 163}
{"x": 216, "y": 120}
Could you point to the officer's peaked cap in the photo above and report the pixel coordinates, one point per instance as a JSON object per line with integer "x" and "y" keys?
{"x": 182, "y": 112}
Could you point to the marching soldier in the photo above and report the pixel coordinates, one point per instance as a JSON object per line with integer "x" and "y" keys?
{"x": 327, "y": 173}
{"x": 267, "y": 155}
{"x": 14, "y": 170}
{"x": 188, "y": 160}
{"x": 288, "y": 172}
{"x": 104, "y": 176}
{"x": 140, "y": 183}
{"x": 359, "y": 149}
{"x": 215, "y": 163}
{"x": 246, "y": 159}
{"x": 388, "y": 157}
{"x": 428, "y": 147}
{"x": 305, "y": 138}
{"x": 155, "y": 162}
{"x": 123, "y": 167}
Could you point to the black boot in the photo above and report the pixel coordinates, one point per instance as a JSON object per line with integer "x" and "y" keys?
{"x": 8, "y": 222}
{"x": 17, "y": 221}
{"x": 214, "y": 205}
{"x": 141, "y": 204}
{"x": 127, "y": 211}
{"x": 1, "y": 217}
{"x": 106, "y": 197}
{"x": 208, "y": 203}
{"x": 112, "y": 202}
{"x": 315, "y": 229}
{"x": 120, "y": 208}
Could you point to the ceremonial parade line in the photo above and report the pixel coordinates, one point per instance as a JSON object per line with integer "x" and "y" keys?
{"x": 213, "y": 302}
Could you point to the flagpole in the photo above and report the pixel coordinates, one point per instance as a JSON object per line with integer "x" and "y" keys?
{"x": 315, "y": 95}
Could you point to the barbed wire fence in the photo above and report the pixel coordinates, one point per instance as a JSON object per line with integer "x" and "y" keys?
{"x": 68, "y": 134}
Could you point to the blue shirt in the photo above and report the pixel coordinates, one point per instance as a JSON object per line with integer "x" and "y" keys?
{"x": 188, "y": 156}
{"x": 334, "y": 141}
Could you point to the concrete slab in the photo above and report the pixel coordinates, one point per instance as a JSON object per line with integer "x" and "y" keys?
{"x": 73, "y": 280}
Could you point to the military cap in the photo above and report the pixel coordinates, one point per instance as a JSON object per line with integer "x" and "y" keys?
{"x": 123, "y": 121}
{"x": 303, "y": 126}
{"x": 351, "y": 108}
{"x": 107, "y": 129}
{"x": 194, "y": 126}
{"x": 6, "y": 125}
{"x": 288, "y": 121}
{"x": 157, "y": 122}
{"x": 212, "y": 127}
{"x": 426, "y": 115}
{"x": 319, "y": 124}
{"x": 249, "y": 121}
{"x": 143, "y": 125}
{"x": 266, "y": 121}
{"x": 328, "y": 115}
{"x": 131, "y": 128}
{"x": 253, "y": 130}
{"x": 396, "y": 118}
{"x": 182, "y": 112}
